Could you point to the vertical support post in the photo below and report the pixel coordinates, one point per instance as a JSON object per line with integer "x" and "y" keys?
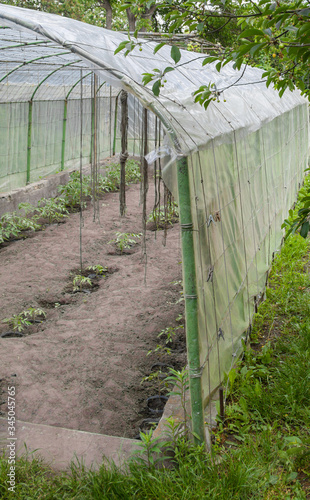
{"x": 64, "y": 128}
{"x": 115, "y": 125}
{"x": 94, "y": 147}
{"x": 92, "y": 124}
{"x": 95, "y": 107}
{"x": 124, "y": 152}
{"x": 145, "y": 186}
{"x": 191, "y": 301}
{"x": 29, "y": 142}
{"x": 110, "y": 122}
{"x": 222, "y": 411}
{"x": 145, "y": 179}
{"x": 81, "y": 170}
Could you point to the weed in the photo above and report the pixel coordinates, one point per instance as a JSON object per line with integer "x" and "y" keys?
{"x": 180, "y": 381}
{"x": 125, "y": 240}
{"x": 299, "y": 218}
{"x": 151, "y": 448}
{"x": 263, "y": 442}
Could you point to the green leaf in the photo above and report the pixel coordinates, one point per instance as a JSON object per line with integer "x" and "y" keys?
{"x": 304, "y": 12}
{"x": 167, "y": 70}
{"x": 146, "y": 78}
{"x": 256, "y": 47}
{"x": 156, "y": 88}
{"x": 305, "y": 229}
{"x": 268, "y": 32}
{"x": 293, "y": 440}
{"x": 291, "y": 477}
{"x": 175, "y": 53}
{"x": 159, "y": 46}
{"x": 273, "y": 479}
{"x": 121, "y": 46}
{"x": 209, "y": 59}
{"x": 218, "y": 66}
{"x": 251, "y": 32}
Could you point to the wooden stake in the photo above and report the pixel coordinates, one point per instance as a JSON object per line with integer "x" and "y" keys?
{"x": 124, "y": 152}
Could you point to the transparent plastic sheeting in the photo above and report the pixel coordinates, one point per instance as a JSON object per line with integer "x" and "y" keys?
{"x": 249, "y": 104}
{"x": 47, "y": 132}
{"x": 241, "y": 193}
{"x": 246, "y": 160}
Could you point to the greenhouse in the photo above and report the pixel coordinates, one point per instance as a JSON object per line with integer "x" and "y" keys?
{"x": 234, "y": 169}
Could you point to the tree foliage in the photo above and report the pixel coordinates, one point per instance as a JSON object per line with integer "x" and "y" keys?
{"x": 274, "y": 35}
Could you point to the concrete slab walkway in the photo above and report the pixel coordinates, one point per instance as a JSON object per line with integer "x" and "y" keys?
{"x": 59, "y": 446}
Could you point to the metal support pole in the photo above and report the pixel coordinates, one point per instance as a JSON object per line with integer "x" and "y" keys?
{"x": 64, "y": 127}
{"x": 29, "y": 142}
{"x": 191, "y": 301}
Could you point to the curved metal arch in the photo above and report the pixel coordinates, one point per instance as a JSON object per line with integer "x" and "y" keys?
{"x": 30, "y": 115}
{"x": 50, "y": 74}
{"x": 26, "y": 44}
{"x": 76, "y": 83}
{"x": 32, "y": 61}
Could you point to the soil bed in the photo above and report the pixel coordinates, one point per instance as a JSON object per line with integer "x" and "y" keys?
{"x": 81, "y": 368}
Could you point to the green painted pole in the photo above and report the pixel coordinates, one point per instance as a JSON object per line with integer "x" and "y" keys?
{"x": 29, "y": 142}
{"x": 191, "y": 301}
{"x": 92, "y": 131}
{"x": 64, "y": 129}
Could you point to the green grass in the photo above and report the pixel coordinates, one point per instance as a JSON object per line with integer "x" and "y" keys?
{"x": 260, "y": 451}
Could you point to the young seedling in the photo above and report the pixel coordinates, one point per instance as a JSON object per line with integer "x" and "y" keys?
{"x": 79, "y": 282}
{"x": 52, "y": 209}
{"x": 28, "y": 209}
{"x": 20, "y": 321}
{"x": 160, "y": 380}
{"x": 34, "y": 313}
{"x": 97, "y": 269}
{"x": 169, "y": 333}
{"x": 161, "y": 216}
{"x": 71, "y": 192}
{"x": 11, "y": 225}
{"x": 125, "y": 240}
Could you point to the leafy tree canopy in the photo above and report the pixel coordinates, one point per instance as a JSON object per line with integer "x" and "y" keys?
{"x": 274, "y": 35}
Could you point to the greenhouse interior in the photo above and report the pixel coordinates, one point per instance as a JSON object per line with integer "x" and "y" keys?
{"x": 234, "y": 169}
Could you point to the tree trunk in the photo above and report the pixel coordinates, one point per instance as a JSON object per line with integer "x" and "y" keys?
{"x": 131, "y": 20}
{"x": 147, "y": 15}
{"x": 108, "y": 9}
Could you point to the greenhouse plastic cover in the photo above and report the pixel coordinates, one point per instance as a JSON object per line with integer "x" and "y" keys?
{"x": 188, "y": 125}
{"x": 246, "y": 160}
